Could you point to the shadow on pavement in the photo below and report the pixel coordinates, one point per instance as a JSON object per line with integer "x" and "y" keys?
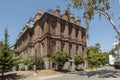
{"x": 13, "y": 76}
{"x": 101, "y": 73}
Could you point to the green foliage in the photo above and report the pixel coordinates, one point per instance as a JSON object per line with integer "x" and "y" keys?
{"x": 29, "y": 62}
{"x": 7, "y": 60}
{"x": 90, "y": 7}
{"x": 96, "y": 58}
{"x": 59, "y": 58}
{"x": 78, "y": 60}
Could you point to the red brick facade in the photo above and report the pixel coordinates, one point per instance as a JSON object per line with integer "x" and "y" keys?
{"x": 51, "y": 32}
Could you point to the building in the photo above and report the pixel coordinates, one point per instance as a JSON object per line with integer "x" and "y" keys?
{"x": 49, "y": 32}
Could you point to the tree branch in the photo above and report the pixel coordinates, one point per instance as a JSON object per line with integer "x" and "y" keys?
{"x": 110, "y": 20}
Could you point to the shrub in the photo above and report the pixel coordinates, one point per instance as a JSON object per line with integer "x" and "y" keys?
{"x": 59, "y": 58}
{"x": 78, "y": 60}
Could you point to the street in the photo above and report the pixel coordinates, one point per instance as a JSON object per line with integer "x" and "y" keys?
{"x": 108, "y": 73}
{"x": 100, "y": 74}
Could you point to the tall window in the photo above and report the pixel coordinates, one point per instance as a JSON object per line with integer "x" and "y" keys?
{"x": 83, "y": 50}
{"x": 70, "y": 30}
{"x": 76, "y": 49}
{"x": 70, "y": 49}
{"x": 83, "y": 34}
{"x": 53, "y": 46}
{"x": 42, "y": 48}
{"x": 53, "y": 27}
{"x": 42, "y": 29}
{"x": 62, "y": 28}
{"x": 76, "y": 33}
{"x": 62, "y": 46}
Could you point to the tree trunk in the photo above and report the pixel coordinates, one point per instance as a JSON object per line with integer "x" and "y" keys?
{"x": 3, "y": 78}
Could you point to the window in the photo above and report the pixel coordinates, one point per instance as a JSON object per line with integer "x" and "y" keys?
{"x": 76, "y": 49}
{"x": 42, "y": 28}
{"x": 62, "y": 46}
{"x": 53, "y": 46}
{"x": 70, "y": 29}
{"x": 83, "y": 50}
{"x": 83, "y": 34}
{"x": 53, "y": 26}
{"x": 42, "y": 48}
{"x": 70, "y": 49}
{"x": 62, "y": 27}
{"x": 76, "y": 32}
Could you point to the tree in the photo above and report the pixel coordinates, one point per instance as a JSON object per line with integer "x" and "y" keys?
{"x": 59, "y": 58}
{"x": 91, "y": 7}
{"x": 6, "y": 55}
{"x": 78, "y": 60}
{"x": 95, "y": 57}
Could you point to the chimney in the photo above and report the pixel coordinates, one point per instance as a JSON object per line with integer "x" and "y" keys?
{"x": 38, "y": 15}
{"x": 57, "y": 10}
{"x": 72, "y": 18}
{"x": 78, "y": 21}
{"x": 65, "y": 15}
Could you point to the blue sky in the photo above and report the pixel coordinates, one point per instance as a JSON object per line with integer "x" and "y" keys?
{"x": 15, "y": 13}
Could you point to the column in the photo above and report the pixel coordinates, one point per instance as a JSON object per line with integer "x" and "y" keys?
{"x": 73, "y": 50}
{"x": 47, "y": 53}
{"x": 66, "y": 48}
{"x": 47, "y": 63}
{"x": 79, "y": 35}
{"x": 85, "y": 57}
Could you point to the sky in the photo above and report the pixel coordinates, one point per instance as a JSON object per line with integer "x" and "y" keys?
{"x": 15, "y": 13}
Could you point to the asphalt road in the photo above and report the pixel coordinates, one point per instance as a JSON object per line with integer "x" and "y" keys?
{"x": 108, "y": 73}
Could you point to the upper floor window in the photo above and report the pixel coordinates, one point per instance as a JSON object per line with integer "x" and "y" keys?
{"x": 83, "y": 34}
{"x": 76, "y": 32}
{"x": 70, "y": 30}
{"x": 42, "y": 28}
{"x": 53, "y": 27}
{"x": 62, "y": 27}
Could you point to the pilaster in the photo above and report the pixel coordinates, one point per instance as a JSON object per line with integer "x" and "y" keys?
{"x": 73, "y": 49}
{"x": 79, "y": 35}
{"x": 73, "y": 33}
{"x": 66, "y": 48}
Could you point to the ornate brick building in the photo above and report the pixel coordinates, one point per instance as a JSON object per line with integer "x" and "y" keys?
{"x": 49, "y": 32}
